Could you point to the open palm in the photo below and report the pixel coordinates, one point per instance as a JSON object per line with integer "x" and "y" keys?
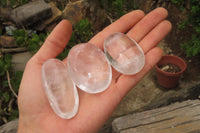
{"x": 37, "y": 116}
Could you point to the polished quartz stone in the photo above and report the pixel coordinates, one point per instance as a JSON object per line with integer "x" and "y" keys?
{"x": 124, "y": 54}
{"x": 89, "y": 68}
{"x": 60, "y": 89}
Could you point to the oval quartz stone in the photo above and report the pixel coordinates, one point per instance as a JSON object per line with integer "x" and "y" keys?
{"x": 124, "y": 54}
{"x": 89, "y": 68}
{"x": 60, "y": 89}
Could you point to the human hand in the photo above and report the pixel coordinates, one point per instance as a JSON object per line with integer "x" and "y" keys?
{"x": 37, "y": 116}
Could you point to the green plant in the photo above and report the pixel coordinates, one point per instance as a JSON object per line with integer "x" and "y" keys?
{"x": 6, "y": 96}
{"x": 14, "y": 114}
{"x": 21, "y": 37}
{"x": 5, "y": 64}
{"x": 133, "y": 5}
{"x": 192, "y": 47}
{"x": 8, "y": 104}
{"x": 194, "y": 17}
{"x": 35, "y": 42}
{"x": 82, "y": 31}
{"x": 180, "y": 3}
{"x": 16, "y": 80}
{"x": 32, "y": 41}
{"x": 118, "y": 7}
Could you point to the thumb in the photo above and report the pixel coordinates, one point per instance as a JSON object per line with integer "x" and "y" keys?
{"x": 55, "y": 42}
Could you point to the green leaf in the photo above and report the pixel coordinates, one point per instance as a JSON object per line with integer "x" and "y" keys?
{"x": 7, "y": 67}
{"x": 20, "y": 37}
{"x": 192, "y": 47}
{"x": 16, "y": 79}
{"x": 8, "y": 58}
{"x": 6, "y": 96}
{"x": 174, "y": 1}
{"x": 197, "y": 29}
{"x": 42, "y": 36}
{"x": 32, "y": 47}
{"x": 20, "y": 41}
{"x": 35, "y": 38}
{"x": 19, "y": 74}
{"x": 14, "y": 115}
{"x": 5, "y": 83}
{"x": 18, "y": 33}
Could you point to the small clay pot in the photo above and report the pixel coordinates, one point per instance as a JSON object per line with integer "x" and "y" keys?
{"x": 167, "y": 79}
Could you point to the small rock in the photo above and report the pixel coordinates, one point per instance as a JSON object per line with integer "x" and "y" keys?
{"x": 75, "y": 11}
{"x": 19, "y": 60}
{"x": 31, "y": 13}
{"x": 165, "y": 68}
{"x": 84, "y": 9}
{"x": 30, "y": 32}
{"x": 10, "y": 29}
{"x": 10, "y": 127}
{"x": 7, "y": 42}
{"x": 56, "y": 14}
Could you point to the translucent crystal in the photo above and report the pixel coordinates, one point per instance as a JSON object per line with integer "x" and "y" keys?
{"x": 60, "y": 89}
{"x": 124, "y": 54}
{"x": 89, "y": 68}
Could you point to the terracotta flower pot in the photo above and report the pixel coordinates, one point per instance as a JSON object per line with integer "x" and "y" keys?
{"x": 167, "y": 79}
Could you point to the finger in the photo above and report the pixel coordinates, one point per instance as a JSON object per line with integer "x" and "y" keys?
{"x": 55, "y": 42}
{"x": 145, "y": 25}
{"x": 155, "y": 36}
{"x": 126, "y": 82}
{"x": 121, "y": 25}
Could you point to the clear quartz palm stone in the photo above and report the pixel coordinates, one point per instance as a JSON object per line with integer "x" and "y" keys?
{"x": 89, "y": 68}
{"x": 124, "y": 54}
{"x": 60, "y": 89}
